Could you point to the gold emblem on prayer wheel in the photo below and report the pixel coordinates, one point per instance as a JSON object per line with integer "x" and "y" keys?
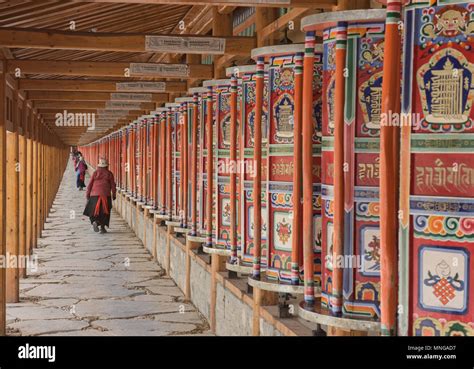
{"x": 447, "y": 90}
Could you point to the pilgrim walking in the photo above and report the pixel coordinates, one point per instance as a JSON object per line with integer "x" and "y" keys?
{"x": 80, "y": 168}
{"x": 100, "y": 192}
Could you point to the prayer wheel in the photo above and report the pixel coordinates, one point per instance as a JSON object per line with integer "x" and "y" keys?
{"x": 221, "y": 167}
{"x": 246, "y": 75}
{"x": 350, "y": 235}
{"x": 148, "y": 197}
{"x": 132, "y": 159}
{"x": 198, "y": 166}
{"x": 125, "y": 185}
{"x": 154, "y": 152}
{"x": 185, "y": 123}
{"x": 162, "y": 162}
{"x": 173, "y": 132}
{"x": 437, "y": 181}
{"x": 140, "y": 155}
{"x": 282, "y": 218}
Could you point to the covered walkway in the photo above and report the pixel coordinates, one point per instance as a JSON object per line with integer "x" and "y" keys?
{"x": 273, "y": 174}
{"x": 85, "y": 283}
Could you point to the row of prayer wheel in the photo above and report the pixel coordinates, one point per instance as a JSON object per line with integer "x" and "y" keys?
{"x": 359, "y": 146}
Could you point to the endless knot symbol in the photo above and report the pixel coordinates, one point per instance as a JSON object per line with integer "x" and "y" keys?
{"x": 444, "y": 291}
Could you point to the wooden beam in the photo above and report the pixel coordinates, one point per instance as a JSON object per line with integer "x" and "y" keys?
{"x": 81, "y": 85}
{"x": 221, "y": 26}
{"x": 121, "y": 42}
{"x": 352, "y": 4}
{"x": 267, "y": 33}
{"x": 263, "y": 18}
{"x": 244, "y": 25}
{"x": 45, "y": 112}
{"x": 323, "y": 4}
{"x": 86, "y": 105}
{"x": 96, "y": 96}
{"x": 109, "y": 69}
{"x": 186, "y": 25}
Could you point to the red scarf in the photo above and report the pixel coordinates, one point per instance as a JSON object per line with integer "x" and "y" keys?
{"x": 101, "y": 200}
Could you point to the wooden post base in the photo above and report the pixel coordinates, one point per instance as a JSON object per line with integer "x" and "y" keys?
{"x": 169, "y": 232}
{"x": 217, "y": 265}
{"x": 190, "y": 245}
{"x": 261, "y": 298}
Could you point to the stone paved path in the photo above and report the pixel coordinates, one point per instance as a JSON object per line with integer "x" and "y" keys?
{"x": 88, "y": 283}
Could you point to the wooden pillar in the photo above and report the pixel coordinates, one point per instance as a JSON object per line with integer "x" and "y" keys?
{"x": 389, "y": 169}
{"x": 192, "y": 59}
{"x": 22, "y": 172}
{"x": 40, "y": 176}
{"x": 257, "y": 159}
{"x": 13, "y": 287}
{"x": 352, "y": 4}
{"x": 217, "y": 265}
{"x": 3, "y": 196}
{"x": 263, "y": 17}
{"x": 261, "y": 298}
{"x": 221, "y": 26}
{"x": 29, "y": 182}
{"x": 35, "y": 164}
{"x": 46, "y": 179}
{"x": 22, "y": 192}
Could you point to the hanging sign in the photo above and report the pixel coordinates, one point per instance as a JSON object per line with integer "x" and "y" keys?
{"x": 123, "y": 105}
{"x": 112, "y": 112}
{"x": 130, "y": 97}
{"x": 185, "y": 45}
{"x": 141, "y": 86}
{"x": 162, "y": 70}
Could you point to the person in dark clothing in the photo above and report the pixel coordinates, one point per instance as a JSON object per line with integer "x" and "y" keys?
{"x": 99, "y": 200}
{"x": 80, "y": 168}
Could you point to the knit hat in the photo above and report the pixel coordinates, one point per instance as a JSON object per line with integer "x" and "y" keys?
{"x": 103, "y": 163}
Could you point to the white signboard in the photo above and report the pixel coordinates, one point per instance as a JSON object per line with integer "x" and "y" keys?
{"x": 185, "y": 45}
{"x": 141, "y": 86}
{"x": 130, "y": 97}
{"x": 112, "y": 112}
{"x": 159, "y": 70}
{"x": 123, "y": 105}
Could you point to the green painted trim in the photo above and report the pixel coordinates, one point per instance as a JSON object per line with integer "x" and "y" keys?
{"x": 367, "y": 144}
{"x": 350, "y": 81}
{"x": 281, "y": 150}
{"x": 447, "y": 142}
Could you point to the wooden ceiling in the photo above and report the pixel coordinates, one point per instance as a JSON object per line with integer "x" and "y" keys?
{"x": 100, "y": 19}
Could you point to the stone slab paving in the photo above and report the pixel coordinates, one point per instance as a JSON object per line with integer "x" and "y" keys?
{"x": 89, "y": 284}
